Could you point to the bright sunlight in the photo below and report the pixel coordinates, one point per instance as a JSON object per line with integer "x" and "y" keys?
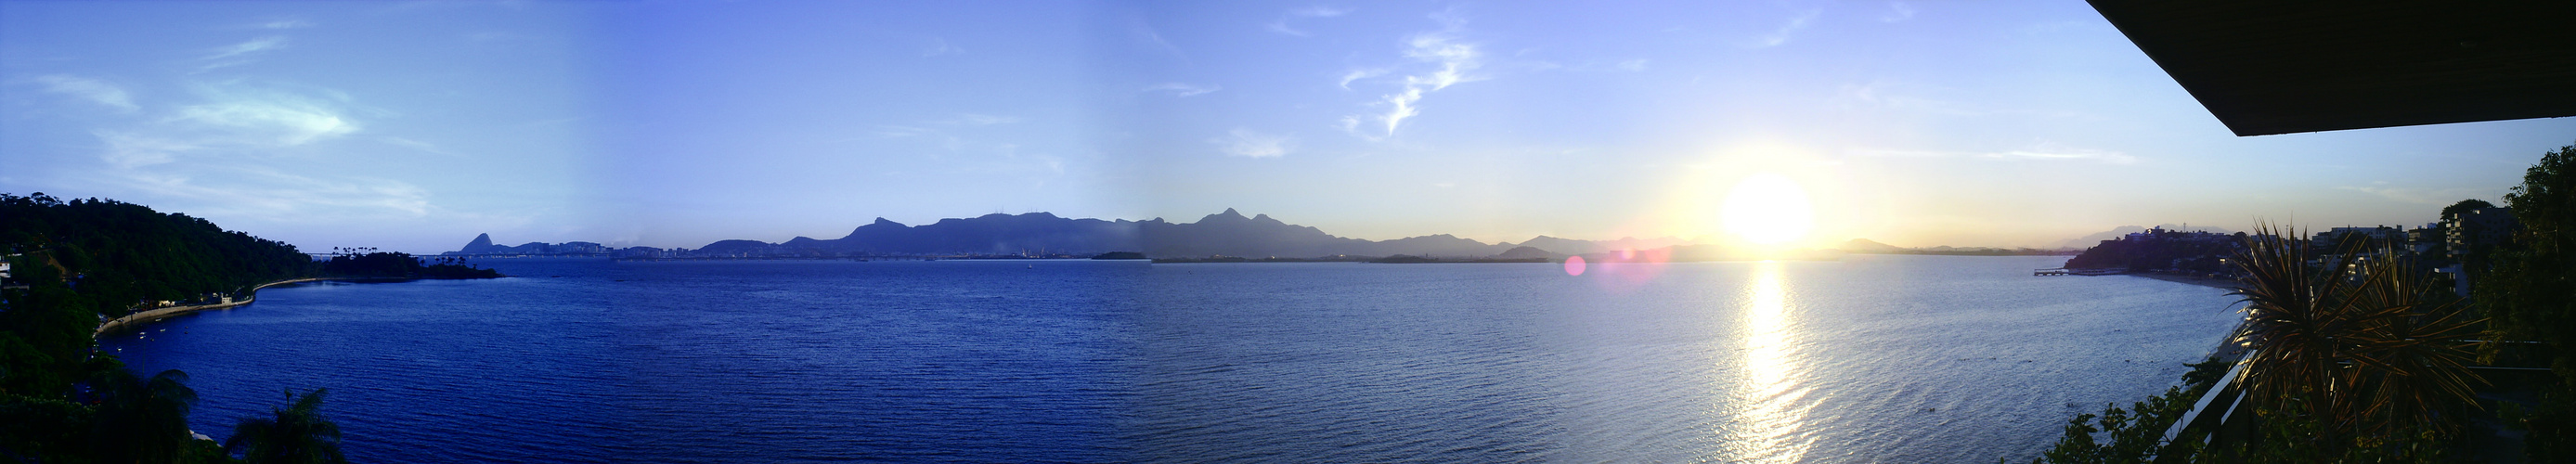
{"x": 1768, "y": 209}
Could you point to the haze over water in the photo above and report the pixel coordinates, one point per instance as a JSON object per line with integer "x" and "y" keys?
{"x": 1871, "y": 359}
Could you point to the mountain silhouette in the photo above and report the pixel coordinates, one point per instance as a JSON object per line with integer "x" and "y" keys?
{"x": 1227, "y": 233}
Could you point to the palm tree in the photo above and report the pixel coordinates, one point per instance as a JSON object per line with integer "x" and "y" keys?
{"x": 298, "y": 434}
{"x": 2364, "y": 342}
{"x": 142, "y": 420}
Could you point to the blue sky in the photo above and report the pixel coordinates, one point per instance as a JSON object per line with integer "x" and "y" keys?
{"x": 415, "y": 125}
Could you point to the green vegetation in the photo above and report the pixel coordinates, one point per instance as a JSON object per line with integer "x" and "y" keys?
{"x": 395, "y": 265}
{"x": 2193, "y": 252}
{"x": 296, "y": 434}
{"x": 2354, "y": 357}
{"x": 2362, "y": 355}
{"x": 77, "y": 263}
{"x": 2135, "y": 434}
{"x": 82, "y": 261}
{"x": 2529, "y": 287}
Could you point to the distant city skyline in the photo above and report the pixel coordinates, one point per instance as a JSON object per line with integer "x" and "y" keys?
{"x": 414, "y": 126}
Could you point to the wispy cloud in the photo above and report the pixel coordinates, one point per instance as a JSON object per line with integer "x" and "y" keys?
{"x": 225, "y": 120}
{"x": 245, "y": 48}
{"x": 973, "y": 119}
{"x": 2037, "y": 152}
{"x": 1246, "y": 143}
{"x": 92, "y": 90}
{"x": 1179, "y": 89}
{"x": 279, "y": 196}
{"x": 221, "y": 150}
{"x": 1781, "y": 36}
{"x": 126, "y": 150}
{"x": 1897, "y": 12}
{"x": 1357, "y": 74}
{"x": 424, "y": 147}
{"x": 940, "y": 47}
{"x": 285, "y": 118}
{"x": 286, "y": 24}
{"x": 240, "y": 53}
{"x": 1281, "y": 25}
{"x": 1444, "y": 60}
{"x": 2111, "y": 157}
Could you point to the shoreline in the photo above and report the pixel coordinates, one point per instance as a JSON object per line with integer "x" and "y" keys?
{"x": 166, "y": 313}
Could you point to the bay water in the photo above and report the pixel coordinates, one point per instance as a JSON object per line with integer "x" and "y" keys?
{"x": 1868, "y": 359}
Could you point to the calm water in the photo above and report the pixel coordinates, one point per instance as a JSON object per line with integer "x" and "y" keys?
{"x": 1874, "y": 359}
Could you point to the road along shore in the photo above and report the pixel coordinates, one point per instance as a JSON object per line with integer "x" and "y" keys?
{"x": 165, "y": 313}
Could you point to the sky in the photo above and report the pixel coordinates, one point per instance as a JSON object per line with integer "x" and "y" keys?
{"x": 413, "y": 126}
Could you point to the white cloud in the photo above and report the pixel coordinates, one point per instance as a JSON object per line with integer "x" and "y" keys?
{"x": 1780, "y": 36}
{"x": 278, "y": 196}
{"x": 1246, "y": 143}
{"x": 1357, "y": 74}
{"x": 892, "y": 131}
{"x": 2111, "y": 157}
{"x": 939, "y": 46}
{"x": 1635, "y": 65}
{"x": 2038, "y": 152}
{"x": 973, "y": 119}
{"x": 129, "y": 150}
{"x": 88, "y": 89}
{"x": 287, "y": 121}
{"x": 253, "y": 46}
{"x": 1897, "y": 12}
{"x": 425, "y": 147}
{"x": 286, "y": 24}
{"x": 1319, "y": 11}
{"x": 1179, "y": 89}
{"x": 1450, "y": 62}
{"x": 226, "y": 121}
{"x": 1281, "y": 25}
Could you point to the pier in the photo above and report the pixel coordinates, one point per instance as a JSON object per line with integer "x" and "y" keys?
{"x": 2081, "y": 272}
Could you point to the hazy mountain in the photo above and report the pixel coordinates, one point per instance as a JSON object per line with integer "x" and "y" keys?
{"x": 1566, "y": 246}
{"x": 482, "y": 245}
{"x": 2089, "y": 240}
{"x": 1862, "y": 245}
{"x": 1227, "y": 233}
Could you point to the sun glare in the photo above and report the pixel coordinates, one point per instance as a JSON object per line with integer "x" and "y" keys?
{"x": 1768, "y": 209}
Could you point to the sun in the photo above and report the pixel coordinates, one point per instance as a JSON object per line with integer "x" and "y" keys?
{"x": 1768, "y": 209}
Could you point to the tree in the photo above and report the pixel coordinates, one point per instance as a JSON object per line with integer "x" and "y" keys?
{"x": 296, "y": 434}
{"x": 2473, "y": 204}
{"x": 2531, "y": 289}
{"x": 2364, "y": 346}
{"x": 143, "y": 420}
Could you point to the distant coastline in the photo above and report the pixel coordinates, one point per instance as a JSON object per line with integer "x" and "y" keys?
{"x": 165, "y": 313}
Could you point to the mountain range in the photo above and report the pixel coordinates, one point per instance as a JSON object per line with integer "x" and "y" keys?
{"x": 1228, "y": 233}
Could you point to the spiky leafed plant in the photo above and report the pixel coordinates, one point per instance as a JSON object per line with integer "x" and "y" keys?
{"x": 2367, "y": 344}
{"x": 2409, "y": 368}
{"x": 297, "y": 434}
{"x": 143, "y": 420}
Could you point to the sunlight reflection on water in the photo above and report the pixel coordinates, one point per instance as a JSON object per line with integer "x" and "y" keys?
{"x": 1767, "y": 424}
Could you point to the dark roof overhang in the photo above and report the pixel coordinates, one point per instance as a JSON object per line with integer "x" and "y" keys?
{"x": 2277, "y": 67}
